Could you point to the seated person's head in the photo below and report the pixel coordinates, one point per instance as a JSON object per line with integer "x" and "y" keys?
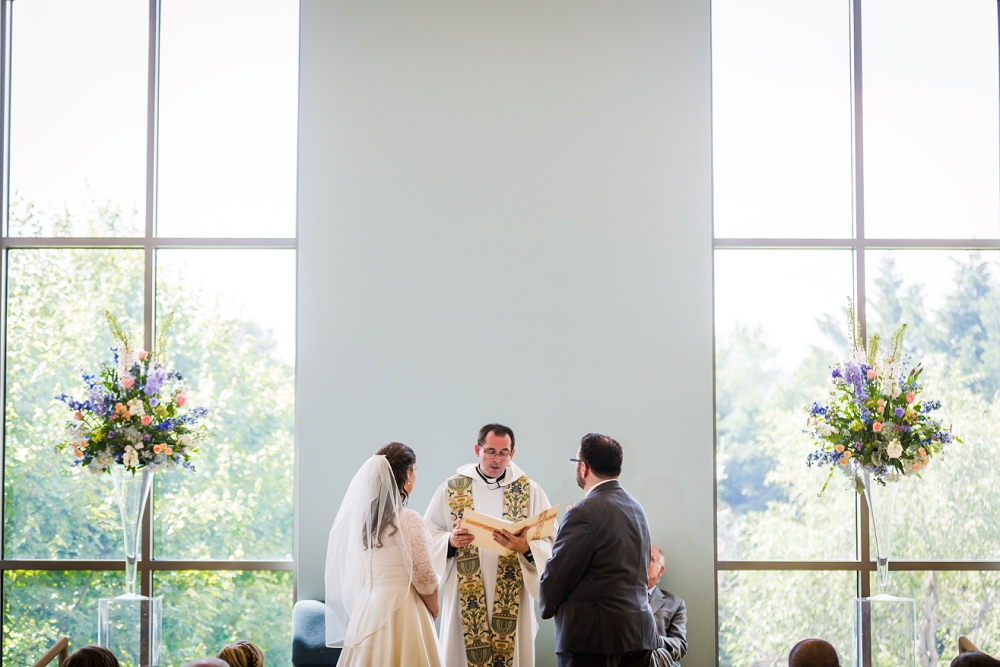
{"x": 91, "y": 656}
{"x": 242, "y": 654}
{"x": 975, "y": 659}
{"x": 656, "y": 566}
{"x": 813, "y": 653}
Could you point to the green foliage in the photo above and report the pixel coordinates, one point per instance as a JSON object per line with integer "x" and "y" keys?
{"x": 952, "y": 513}
{"x": 121, "y": 335}
{"x": 237, "y": 505}
{"x": 41, "y": 607}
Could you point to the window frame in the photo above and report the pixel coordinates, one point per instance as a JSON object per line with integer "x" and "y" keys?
{"x": 149, "y": 243}
{"x": 864, "y": 564}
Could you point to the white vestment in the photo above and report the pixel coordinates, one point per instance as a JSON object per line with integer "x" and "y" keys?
{"x": 490, "y": 502}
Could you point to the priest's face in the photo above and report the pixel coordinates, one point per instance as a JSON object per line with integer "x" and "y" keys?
{"x": 494, "y": 454}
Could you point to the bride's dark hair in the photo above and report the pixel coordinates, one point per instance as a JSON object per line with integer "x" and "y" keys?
{"x": 400, "y": 458}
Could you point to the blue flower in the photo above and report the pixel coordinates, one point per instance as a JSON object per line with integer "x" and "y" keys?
{"x": 817, "y": 410}
{"x": 899, "y": 412}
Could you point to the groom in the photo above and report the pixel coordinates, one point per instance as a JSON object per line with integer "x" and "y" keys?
{"x": 487, "y": 616}
{"x": 595, "y": 583}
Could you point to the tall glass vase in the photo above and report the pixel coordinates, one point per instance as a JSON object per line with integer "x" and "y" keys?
{"x": 881, "y": 499}
{"x": 131, "y": 492}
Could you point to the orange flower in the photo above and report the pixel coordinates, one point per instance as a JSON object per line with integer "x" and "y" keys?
{"x": 877, "y": 426}
{"x": 78, "y": 453}
{"x": 157, "y": 449}
{"x": 167, "y": 450}
{"x": 840, "y": 448}
{"x": 916, "y": 465}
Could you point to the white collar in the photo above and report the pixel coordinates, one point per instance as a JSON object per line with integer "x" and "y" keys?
{"x": 603, "y": 481}
{"x": 513, "y": 473}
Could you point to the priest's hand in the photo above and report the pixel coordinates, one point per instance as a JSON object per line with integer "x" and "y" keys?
{"x": 460, "y": 537}
{"x": 513, "y": 542}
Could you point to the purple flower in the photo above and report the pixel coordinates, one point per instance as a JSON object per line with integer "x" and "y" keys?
{"x": 853, "y": 375}
{"x": 900, "y": 412}
{"x": 111, "y": 434}
{"x": 145, "y": 438}
{"x": 857, "y": 446}
{"x": 153, "y": 402}
{"x": 154, "y": 381}
{"x": 836, "y": 373}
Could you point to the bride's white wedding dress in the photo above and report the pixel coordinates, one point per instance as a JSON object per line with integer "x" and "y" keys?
{"x": 378, "y": 563}
{"x": 407, "y": 637}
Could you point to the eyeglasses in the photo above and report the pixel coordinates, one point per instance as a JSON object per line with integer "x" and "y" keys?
{"x": 577, "y": 460}
{"x": 492, "y": 454}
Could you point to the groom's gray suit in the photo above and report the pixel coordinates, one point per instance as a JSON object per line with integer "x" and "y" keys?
{"x": 595, "y": 582}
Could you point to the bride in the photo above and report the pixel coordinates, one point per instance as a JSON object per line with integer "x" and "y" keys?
{"x": 381, "y": 588}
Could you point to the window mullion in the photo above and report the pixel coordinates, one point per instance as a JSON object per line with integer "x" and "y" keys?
{"x": 149, "y": 292}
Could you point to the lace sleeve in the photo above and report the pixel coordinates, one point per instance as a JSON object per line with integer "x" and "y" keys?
{"x": 424, "y": 578}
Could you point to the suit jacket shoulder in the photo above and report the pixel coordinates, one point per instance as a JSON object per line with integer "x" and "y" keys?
{"x": 595, "y": 583}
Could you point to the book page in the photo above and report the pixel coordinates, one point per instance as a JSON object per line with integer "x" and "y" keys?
{"x": 481, "y": 528}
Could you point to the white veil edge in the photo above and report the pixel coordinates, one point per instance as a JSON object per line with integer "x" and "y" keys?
{"x": 368, "y": 521}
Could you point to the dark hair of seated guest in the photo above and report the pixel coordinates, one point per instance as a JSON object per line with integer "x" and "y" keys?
{"x": 813, "y": 653}
{"x": 91, "y": 656}
{"x": 975, "y": 659}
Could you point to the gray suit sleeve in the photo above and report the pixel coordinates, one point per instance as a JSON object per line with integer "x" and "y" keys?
{"x": 570, "y": 557}
{"x": 676, "y": 640}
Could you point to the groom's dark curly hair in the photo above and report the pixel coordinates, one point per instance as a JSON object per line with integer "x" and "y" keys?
{"x": 603, "y": 454}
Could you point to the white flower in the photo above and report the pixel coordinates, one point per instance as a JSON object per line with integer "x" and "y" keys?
{"x": 131, "y": 457}
{"x": 185, "y": 440}
{"x": 126, "y": 359}
{"x": 894, "y": 389}
{"x": 895, "y": 450}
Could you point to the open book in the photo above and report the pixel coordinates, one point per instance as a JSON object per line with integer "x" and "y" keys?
{"x": 481, "y": 528}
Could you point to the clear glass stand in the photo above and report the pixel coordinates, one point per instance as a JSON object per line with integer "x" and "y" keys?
{"x": 885, "y": 632}
{"x": 131, "y": 626}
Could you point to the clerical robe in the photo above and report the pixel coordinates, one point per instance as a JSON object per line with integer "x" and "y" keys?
{"x": 490, "y": 502}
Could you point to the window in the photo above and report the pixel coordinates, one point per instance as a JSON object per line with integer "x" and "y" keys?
{"x": 151, "y": 171}
{"x": 856, "y": 153}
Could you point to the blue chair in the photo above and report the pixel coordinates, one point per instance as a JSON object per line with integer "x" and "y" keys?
{"x": 309, "y": 636}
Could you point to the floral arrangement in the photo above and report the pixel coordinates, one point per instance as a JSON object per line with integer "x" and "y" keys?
{"x": 876, "y": 418}
{"x": 134, "y": 414}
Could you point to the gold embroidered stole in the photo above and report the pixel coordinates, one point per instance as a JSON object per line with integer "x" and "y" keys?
{"x": 488, "y": 642}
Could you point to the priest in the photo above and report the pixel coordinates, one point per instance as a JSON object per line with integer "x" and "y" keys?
{"x": 486, "y": 615}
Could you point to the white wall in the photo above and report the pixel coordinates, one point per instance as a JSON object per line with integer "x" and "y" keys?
{"x": 505, "y": 215}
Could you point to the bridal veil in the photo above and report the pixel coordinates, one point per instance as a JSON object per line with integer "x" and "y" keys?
{"x": 367, "y": 549}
